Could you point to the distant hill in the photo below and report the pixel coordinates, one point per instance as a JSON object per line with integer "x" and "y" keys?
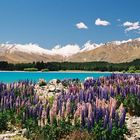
{"x": 114, "y": 52}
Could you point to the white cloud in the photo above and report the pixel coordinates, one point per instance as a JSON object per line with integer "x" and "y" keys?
{"x": 81, "y": 25}
{"x": 100, "y": 22}
{"x": 129, "y": 26}
{"x": 67, "y": 50}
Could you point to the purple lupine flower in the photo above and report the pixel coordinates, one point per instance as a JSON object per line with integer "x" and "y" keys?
{"x": 90, "y": 97}
{"x": 47, "y": 111}
{"x": 92, "y": 119}
{"x": 89, "y": 124}
{"x": 82, "y": 118}
{"x": 97, "y": 116}
{"x": 122, "y": 118}
{"x": 110, "y": 125}
{"x": 105, "y": 94}
{"x": 107, "y": 115}
{"x": 116, "y": 118}
{"x": 86, "y": 111}
{"x": 40, "y": 111}
{"x": 105, "y": 122}
{"x": 68, "y": 107}
{"x": 113, "y": 113}
{"x": 111, "y": 92}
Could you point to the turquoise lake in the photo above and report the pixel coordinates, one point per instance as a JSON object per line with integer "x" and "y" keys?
{"x": 35, "y": 76}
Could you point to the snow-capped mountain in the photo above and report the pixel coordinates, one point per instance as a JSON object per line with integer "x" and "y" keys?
{"x": 18, "y": 53}
{"x": 66, "y": 51}
{"x": 114, "y": 52}
{"x": 127, "y": 49}
{"x": 119, "y": 42}
{"x": 90, "y": 46}
{"x": 27, "y": 48}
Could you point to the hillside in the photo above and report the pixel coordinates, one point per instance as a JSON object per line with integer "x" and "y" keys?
{"x": 113, "y": 52}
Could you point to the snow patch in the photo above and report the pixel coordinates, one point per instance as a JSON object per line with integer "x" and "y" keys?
{"x": 90, "y": 46}
{"x": 67, "y": 50}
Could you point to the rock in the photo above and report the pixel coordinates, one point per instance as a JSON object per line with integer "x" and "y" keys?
{"x": 133, "y": 125}
{"x": 53, "y": 81}
{"x": 52, "y": 87}
{"x": 50, "y": 94}
{"x": 25, "y": 132}
{"x": 134, "y": 122}
{"x": 6, "y": 139}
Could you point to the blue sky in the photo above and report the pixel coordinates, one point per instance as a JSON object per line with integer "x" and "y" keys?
{"x": 52, "y": 22}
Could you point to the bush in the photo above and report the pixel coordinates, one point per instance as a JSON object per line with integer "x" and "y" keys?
{"x": 30, "y": 69}
{"x": 3, "y": 121}
{"x": 137, "y": 71}
{"x": 42, "y": 82}
{"x": 45, "y": 70}
{"x": 131, "y": 69}
{"x": 131, "y": 103}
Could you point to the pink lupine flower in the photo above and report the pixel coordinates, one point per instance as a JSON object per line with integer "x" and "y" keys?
{"x": 63, "y": 110}
{"x": 51, "y": 116}
{"x": 68, "y": 107}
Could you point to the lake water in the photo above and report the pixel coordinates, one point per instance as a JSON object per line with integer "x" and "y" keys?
{"x": 35, "y": 76}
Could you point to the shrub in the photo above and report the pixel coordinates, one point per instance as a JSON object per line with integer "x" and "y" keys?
{"x": 131, "y": 69}
{"x": 45, "y": 70}
{"x": 137, "y": 71}
{"x": 30, "y": 69}
{"x": 42, "y": 82}
{"x": 3, "y": 121}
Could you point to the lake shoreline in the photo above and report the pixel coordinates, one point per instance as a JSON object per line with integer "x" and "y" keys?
{"x": 67, "y": 71}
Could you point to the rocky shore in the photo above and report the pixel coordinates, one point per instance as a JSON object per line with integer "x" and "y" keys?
{"x": 133, "y": 125}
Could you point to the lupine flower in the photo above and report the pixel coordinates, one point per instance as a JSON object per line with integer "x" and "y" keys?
{"x": 68, "y": 107}
{"x": 82, "y": 118}
{"x": 92, "y": 119}
{"x": 92, "y": 101}
{"x": 105, "y": 122}
{"x": 110, "y": 125}
{"x": 89, "y": 124}
{"x": 116, "y": 118}
{"x": 122, "y": 118}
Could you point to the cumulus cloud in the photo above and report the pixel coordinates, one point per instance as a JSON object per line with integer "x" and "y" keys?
{"x": 129, "y": 26}
{"x": 81, "y": 25}
{"x": 100, "y": 22}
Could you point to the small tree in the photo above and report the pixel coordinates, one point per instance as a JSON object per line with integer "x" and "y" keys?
{"x": 132, "y": 69}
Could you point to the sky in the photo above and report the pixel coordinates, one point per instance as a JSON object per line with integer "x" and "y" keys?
{"x": 61, "y": 22}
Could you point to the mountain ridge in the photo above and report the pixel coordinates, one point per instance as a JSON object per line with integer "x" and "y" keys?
{"x": 115, "y": 52}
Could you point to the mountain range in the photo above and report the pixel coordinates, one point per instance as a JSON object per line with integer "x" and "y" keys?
{"x": 114, "y": 52}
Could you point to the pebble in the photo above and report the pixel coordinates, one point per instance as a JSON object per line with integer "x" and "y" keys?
{"x": 133, "y": 125}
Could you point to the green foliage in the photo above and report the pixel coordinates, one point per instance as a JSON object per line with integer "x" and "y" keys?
{"x": 51, "y": 99}
{"x": 98, "y": 132}
{"x": 137, "y": 71}
{"x": 30, "y": 69}
{"x": 44, "y": 70}
{"x": 42, "y": 82}
{"x": 86, "y": 66}
{"x": 131, "y": 103}
{"x": 3, "y": 121}
{"x": 131, "y": 69}
{"x": 123, "y": 71}
{"x": 55, "y": 132}
{"x": 32, "y": 127}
